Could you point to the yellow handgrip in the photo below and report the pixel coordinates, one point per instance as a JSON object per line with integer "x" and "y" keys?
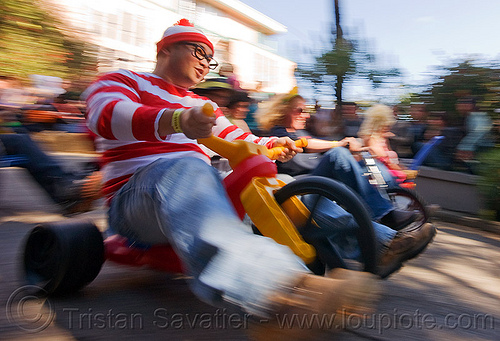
{"x": 273, "y": 153}
{"x": 235, "y": 151}
{"x": 207, "y": 109}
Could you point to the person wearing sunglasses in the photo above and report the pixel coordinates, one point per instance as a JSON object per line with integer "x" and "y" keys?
{"x": 161, "y": 189}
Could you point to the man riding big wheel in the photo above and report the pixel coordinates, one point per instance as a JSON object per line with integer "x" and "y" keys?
{"x": 161, "y": 189}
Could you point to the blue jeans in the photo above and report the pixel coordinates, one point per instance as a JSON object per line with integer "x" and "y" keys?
{"x": 338, "y": 231}
{"x": 339, "y": 164}
{"x": 43, "y": 168}
{"x": 183, "y": 202}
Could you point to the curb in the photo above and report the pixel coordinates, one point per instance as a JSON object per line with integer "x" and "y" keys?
{"x": 458, "y": 218}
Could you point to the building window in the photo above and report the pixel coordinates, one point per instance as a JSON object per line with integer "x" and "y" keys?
{"x": 112, "y": 26}
{"x": 140, "y": 32}
{"x": 96, "y": 22}
{"x": 127, "y": 28}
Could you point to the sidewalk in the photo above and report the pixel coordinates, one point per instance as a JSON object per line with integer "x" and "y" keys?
{"x": 474, "y": 222}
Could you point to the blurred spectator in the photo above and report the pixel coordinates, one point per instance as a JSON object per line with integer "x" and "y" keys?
{"x": 402, "y": 138}
{"x": 465, "y": 137}
{"x": 227, "y": 70}
{"x": 476, "y": 128}
{"x": 12, "y": 93}
{"x": 257, "y": 96}
{"x": 418, "y": 124}
{"x": 47, "y": 87}
{"x": 216, "y": 89}
{"x": 321, "y": 125}
{"x": 442, "y": 156}
{"x": 351, "y": 121}
{"x": 237, "y": 109}
{"x": 53, "y": 114}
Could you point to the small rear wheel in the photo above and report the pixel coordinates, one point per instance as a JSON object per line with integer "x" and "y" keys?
{"x": 408, "y": 200}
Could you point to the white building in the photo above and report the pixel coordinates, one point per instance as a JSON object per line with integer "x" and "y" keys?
{"x": 126, "y": 32}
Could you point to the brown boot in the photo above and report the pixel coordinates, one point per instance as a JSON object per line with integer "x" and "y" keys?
{"x": 406, "y": 245}
{"x": 317, "y": 304}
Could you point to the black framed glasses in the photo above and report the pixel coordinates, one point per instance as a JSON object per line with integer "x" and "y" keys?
{"x": 199, "y": 53}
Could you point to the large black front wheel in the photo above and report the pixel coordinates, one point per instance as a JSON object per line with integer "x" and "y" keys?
{"x": 338, "y": 226}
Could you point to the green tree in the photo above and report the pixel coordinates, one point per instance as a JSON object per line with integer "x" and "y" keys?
{"x": 34, "y": 41}
{"x": 466, "y": 78}
{"x": 345, "y": 60}
{"x": 489, "y": 183}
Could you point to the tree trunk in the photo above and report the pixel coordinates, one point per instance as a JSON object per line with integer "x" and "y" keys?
{"x": 337, "y": 119}
{"x": 338, "y": 29}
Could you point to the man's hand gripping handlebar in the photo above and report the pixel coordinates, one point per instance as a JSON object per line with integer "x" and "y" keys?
{"x": 239, "y": 150}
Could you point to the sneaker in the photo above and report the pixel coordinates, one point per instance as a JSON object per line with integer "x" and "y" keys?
{"x": 407, "y": 244}
{"x": 317, "y": 304}
{"x": 398, "y": 219}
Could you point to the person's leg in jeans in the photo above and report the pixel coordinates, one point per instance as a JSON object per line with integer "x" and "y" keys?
{"x": 339, "y": 164}
{"x": 339, "y": 228}
{"x": 44, "y": 169}
{"x": 183, "y": 202}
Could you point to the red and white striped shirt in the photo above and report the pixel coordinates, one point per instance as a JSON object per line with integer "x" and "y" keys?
{"x": 123, "y": 109}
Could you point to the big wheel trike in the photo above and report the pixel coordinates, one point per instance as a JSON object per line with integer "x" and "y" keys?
{"x": 63, "y": 257}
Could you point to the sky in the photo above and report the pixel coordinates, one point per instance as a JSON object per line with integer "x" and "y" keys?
{"x": 412, "y": 35}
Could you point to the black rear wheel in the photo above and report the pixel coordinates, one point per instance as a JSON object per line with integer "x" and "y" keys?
{"x": 408, "y": 200}
{"x": 63, "y": 257}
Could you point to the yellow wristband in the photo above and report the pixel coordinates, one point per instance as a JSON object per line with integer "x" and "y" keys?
{"x": 176, "y": 120}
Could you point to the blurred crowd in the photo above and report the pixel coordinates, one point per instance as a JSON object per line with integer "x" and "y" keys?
{"x": 56, "y": 106}
{"x": 47, "y": 103}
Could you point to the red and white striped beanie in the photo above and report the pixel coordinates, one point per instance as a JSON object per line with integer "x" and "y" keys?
{"x": 182, "y": 30}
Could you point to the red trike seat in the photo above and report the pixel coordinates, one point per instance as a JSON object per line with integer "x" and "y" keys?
{"x": 160, "y": 257}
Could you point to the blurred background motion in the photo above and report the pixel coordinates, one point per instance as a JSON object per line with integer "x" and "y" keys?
{"x": 435, "y": 65}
